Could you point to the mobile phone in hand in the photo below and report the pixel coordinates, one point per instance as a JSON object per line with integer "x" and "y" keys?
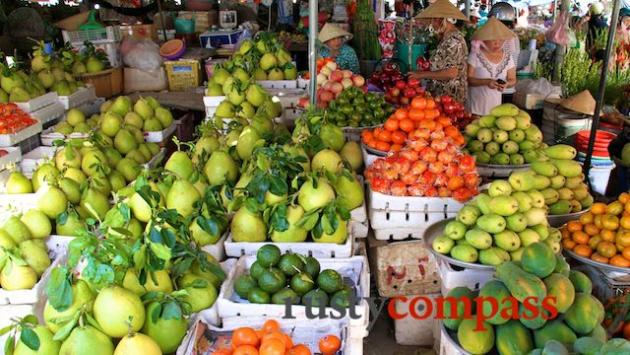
{"x": 501, "y": 81}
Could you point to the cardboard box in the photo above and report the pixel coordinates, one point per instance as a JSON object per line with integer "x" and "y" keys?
{"x": 403, "y": 268}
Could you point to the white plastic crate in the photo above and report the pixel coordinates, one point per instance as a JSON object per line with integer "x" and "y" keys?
{"x": 354, "y": 268}
{"x": 387, "y": 211}
{"x": 35, "y": 157}
{"x": 109, "y": 33}
{"x": 368, "y": 158}
{"x": 303, "y": 83}
{"x": 211, "y": 315}
{"x": 14, "y": 156}
{"x": 317, "y": 250}
{"x": 39, "y": 102}
{"x": 359, "y": 214}
{"x": 49, "y": 136}
{"x": 160, "y": 136}
{"x": 82, "y": 96}
{"x": 217, "y": 250}
{"x": 411, "y": 331}
{"x": 359, "y": 229}
{"x": 278, "y": 84}
{"x": 49, "y": 113}
{"x": 288, "y": 97}
{"x": 111, "y": 49}
{"x": 57, "y": 249}
{"x": 7, "y": 140}
{"x": 471, "y": 278}
{"x": 211, "y": 103}
{"x": 399, "y": 233}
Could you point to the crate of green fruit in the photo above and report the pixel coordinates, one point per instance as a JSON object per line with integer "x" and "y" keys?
{"x": 262, "y": 285}
{"x": 355, "y": 109}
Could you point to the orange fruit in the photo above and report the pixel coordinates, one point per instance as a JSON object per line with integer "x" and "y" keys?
{"x": 591, "y": 229}
{"x": 580, "y": 237}
{"x": 598, "y": 208}
{"x": 222, "y": 351}
{"x": 606, "y": 249}
{"x": 399, "y": 137}
{"x": 620, "y": 261}
{"x": 623, "y": 238}
{"x": 583, "y": 250}
{"x": 245, "y": 350}
{"x": 627, "y": 207}
{"x": 245, "y": 336}
{"x": 406, "y": 125}
{"x": 574, "y": 226}
{"x": 624, "y": 197}
{"x": 597, "y": 220}
{"x": 626, "y": 253}
{"x": 624, "y": 222}
{"x": 610, "y": 222}
{"x": 615, "y": 208}
{"x": 626, "y": 331}
{"x": 330, "y": 344}
{"x": 568, "y": 244}
{"x": 401, "y": 114}
{"x": 272, "y": 347}
{"x": 299, "y": 349}
{"x": 271, "y": 325}
{"x": 391, "y": 124}
{"x": 599, "y": 258}
{"x": 416, "y": 114}
{"x": 385, "y": 136}
{"x": 607, "y": 235}
{"x": 565, "y": 233}
{"x": 285, "y": 339}
{"x": 586, "y": 218}
{"x": 594, "y": 241}
{"x": 383, "y": 146}
{"x": 419, "y": 102}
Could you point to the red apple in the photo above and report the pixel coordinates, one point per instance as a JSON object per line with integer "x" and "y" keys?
{"x": 346, "y": 82}
{"x": 394, "y": 92}
{"x": 410, "y": 92}
{"x": 336, "y": 75}
{"x": 401, "y": 84}
{"x": 404, "y": 100}
{"x": 336, "y": 87}
{"x": 326, "y": 95}
{"x": 347, "y": 73}
{"x": 358, "y": 80}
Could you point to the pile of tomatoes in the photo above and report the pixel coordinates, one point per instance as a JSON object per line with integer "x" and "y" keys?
{"x": 421, "y": 114}
{"x": 454, "y": 110}
{"x": 13, "y": 119}
{"x": 271, "y": 340}
{"x": 427, "y": 161}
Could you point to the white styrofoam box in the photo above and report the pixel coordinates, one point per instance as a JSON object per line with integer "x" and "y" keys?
{"x": 49, "y": 136}
{"x": 38, "y": 102}
{"x": 359, "y": 214}
{"x": 278, "y": 84}
{"x": 7, "y": 140}
{"x": 13, "y": 156}
{"x": 318, "y": 250}
{"x": 217, "y": 250}
{"x": 35, "y": 157}
{"x": 359, "y": 229}
{"x": 471, "y": 278}
{"x": 411, "y": 331}
{"x": 448, "y": 346}
{"x": 211, "y": 103}
{"x": 57, "y": 251}
{"x": 303, "y": 83}
{"x": 399, "y": 233}
{"x": 82, "y": 96}
{"x": 211, "y": 315}
{"x": 160, "y": 136}
{"x": 368, "y": 158}
{"x": 288, "y": 97}
{"x": 354, "y": 268}
{"x": 49, "y": 113}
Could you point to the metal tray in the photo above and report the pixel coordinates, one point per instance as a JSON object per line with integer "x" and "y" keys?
{"x": 370, "y": 150}
{"x": 494, "y": 170}
{"x": 434, "y": 231}
{"x": 561, "y": 219}
{"x": 601, "y": 266}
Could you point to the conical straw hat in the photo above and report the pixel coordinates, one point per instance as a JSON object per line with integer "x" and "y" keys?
{"x": 493, "y": 30}
{"x": 330, "y": 31}
{"x": 582, "y": 103}
{"x": 442, "y": 9}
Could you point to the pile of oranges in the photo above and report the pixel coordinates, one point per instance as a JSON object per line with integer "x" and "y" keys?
{"x": 270, "y": 340}
{"x": 602, "y": 234}
{"x": 422, "y": 113}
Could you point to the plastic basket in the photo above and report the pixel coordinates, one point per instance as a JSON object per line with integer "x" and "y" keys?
{"x": 183, "y": 74}
{"x": 107, "y": 83}
{"x": 110, "y": 33}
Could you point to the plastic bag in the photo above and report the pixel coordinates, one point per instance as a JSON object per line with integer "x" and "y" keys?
{"x": 558, "y": 33}
{"x": 141, "y": 54}
{"x": 541, "y": 87}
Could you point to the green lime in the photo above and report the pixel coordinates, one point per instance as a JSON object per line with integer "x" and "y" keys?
{"x": 291, "y": 264}
{"x": 272, "y": 280}
{"x": 258, "y": 296}
{"x": 315, "y": 298}
{"x": 268, "y": 255}
{"x": 244, "y": 284}
{"x": 341, "y": 299}
{"x": 311, "y": 266}
{"x": 330, "y": 281}
{"x": 302, "y": 283}
{"x": 281, "y": 296}
{"x": 256, "y": 270}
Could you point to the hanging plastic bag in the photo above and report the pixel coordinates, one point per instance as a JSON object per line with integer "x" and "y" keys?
{"x": 558, "y": 33}
{"x": 141, "y": 54}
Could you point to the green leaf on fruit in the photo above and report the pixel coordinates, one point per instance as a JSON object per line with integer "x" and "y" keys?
{"x": 30, "y": 338}
{"x": 59, "y": 289}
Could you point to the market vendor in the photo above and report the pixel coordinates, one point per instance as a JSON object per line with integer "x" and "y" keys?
{"x": 506, "y": 13}
{"x": 447, "y": 75}
{"x": 334, "y": 40}
{"x": 491, "y": 68}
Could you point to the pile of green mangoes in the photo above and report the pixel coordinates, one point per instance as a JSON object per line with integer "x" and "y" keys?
{"x": 524, "y": 320}
{"x": 354, "y": 108}
{"x": 277, "y": 279}
{"x": 504, "y": 137}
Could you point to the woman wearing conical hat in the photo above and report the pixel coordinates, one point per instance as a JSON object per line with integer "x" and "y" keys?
{"x": 447, "y": 75}
{"x": 334, "y": 40}
{"x": 491, "y": 68}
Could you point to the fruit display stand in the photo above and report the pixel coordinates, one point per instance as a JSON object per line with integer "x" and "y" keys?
{"x": 498, "y": 171}
{"x": 81, "y": 96}
{"x": 49, "y": 136}
{"x": 411, "y": 215}
{"x": 39, "y": 102}
{"x": 217, "y": 250}
{"x": 7, "y": 140}
{"x": 317, "y": 250}
{"x": 49, "y": 113}
{"x": 160, "y": 136}
{"x": 354, "y": 269}
{"x": 13, "y": 156}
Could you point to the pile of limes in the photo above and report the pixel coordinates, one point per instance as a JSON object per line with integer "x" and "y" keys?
{"x": 278, "y": 278}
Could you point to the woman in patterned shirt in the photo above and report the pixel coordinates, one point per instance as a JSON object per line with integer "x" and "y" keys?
{"x": 334, "y": 40}
{"x": 447, "y": 75}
